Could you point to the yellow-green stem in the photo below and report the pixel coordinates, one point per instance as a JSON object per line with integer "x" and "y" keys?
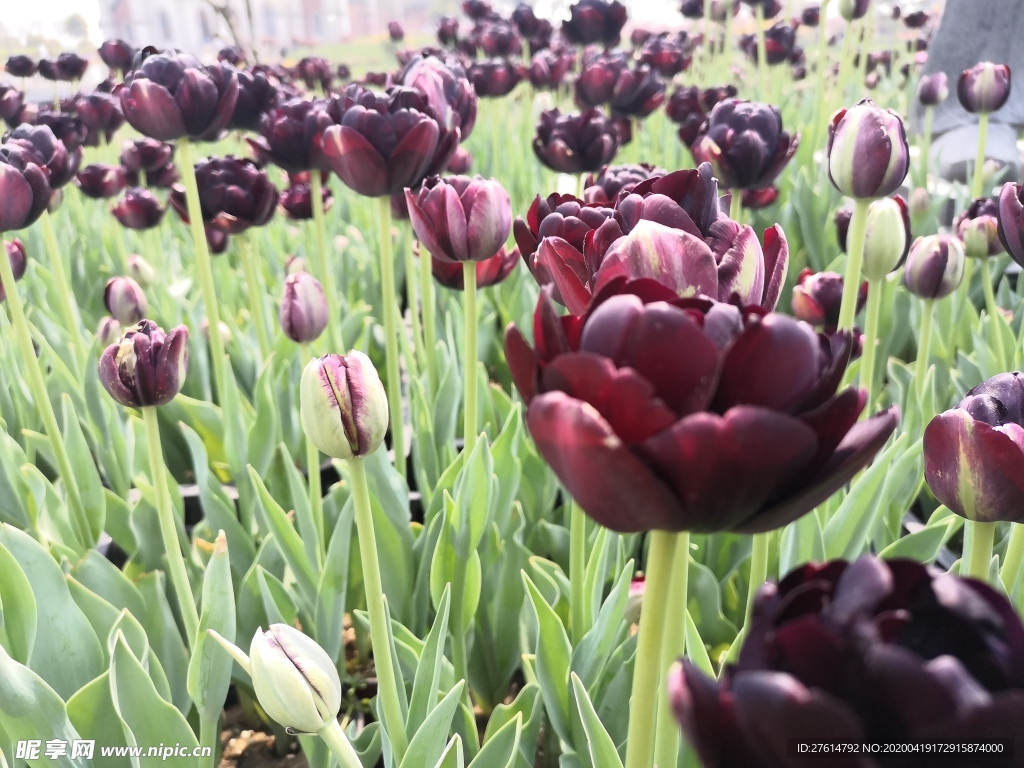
{"x": 995, "y": 317}
{"x": 578, "y": 603}
{"x": 209, "y": 736}
{"x": 1014, "y": 557}
{"x": 758, "y": 572}
{"x": 340, "y": 746}
{"x": 762, "y": 52}
{"x": 390, "y": 704}
{"x": 389, "y": 295}
{"x": 869, "y": 354}
{"x": 469, "y": 355}
{"x": 924, "y": 347}
{"x": 429, "y": 302}
{"x": 316, "y": 495}
{"x": 457, "y": 621}
{"x": 854, "y": 262}
{"x": 926, "y": 145}
{"x": 68, "y": 302}
{"x": 643, "y": 704}
{"x": 323, "y": 265}
{"x": 978, "y": 557}
{"x": 821, "y": 64}
{"x": 979, "y": 158}
{"x": 666, "y": 745}
{"x": 736, "y": 204}
{"x": 255, "y": 294}
{"x": 412, "y": 299}
{"x": 168, "y": 530}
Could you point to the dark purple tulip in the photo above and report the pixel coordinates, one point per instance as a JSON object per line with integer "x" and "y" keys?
{"x": 101, "y": 114}
{"x": 69, "y": 129}
{"x": 11, "y": 100}
{"x": 692, "y": 9}
{"x": 343, "y": 72}
{"x": 868, "y": 154}
{"x": 20, "y": 66}
{"x": 147, "y": 367}
{"x": 303, "y": 313}
{"x": 24, "y": 187}
{"x": 780, "y": 44}
{"x": 477, "y": 10}
{"x": 395, "y": 32}
{"x": 1011, "y": 220}
{"x": 974, "y": 453}
{"x": 769, "y": 8}
{"x": 562, "y": 216}
{"x": 498, "y": 39}
{"x": 688, "y": 107}
{"x": 488, "y": 272}
{"x": 15, "y": 252}
{"x": 985, "y": 87}
{"x": 495, "y": 77}
{"x": 622, "y": 398}
{"x": 125, "y": 300}
{"x": 745, "y": 144}
{"x": 667, "y": 56}
{"x": 811, "y": 16}
{"x": 935, "y": 266}
{"x": 598, "y": 78}
{"x": 315, "y": 71}
{"x": 853, "y": 9}
{"x": 460, "y": 219}
{"x": 117, "y": 55}
{"x": 291, "y": 136}
{"x": 256, "y": 97}
{"x": 234, "y": 194}
{"x": 542, "y": 39}
{"x": 164, "y": 177}
{"x": 916, "y": 20}
{"x": 448, "y": 31}
{"x": 145, "y": 155}
{"x": 637, "y": 93}
{"x": 526, "y": 20}
{"x": 171, "y": 95}
{"x": 296, "y": 201}
{"x": 933, "y": 89}
{"x": 595, "y": 21}
{"x": 575, "y": 143}
{"x": 138, "y": 208}
{"x": 99, "y": 181}
{"x": 48, "y": 152}
{"x": 70, "y": 67}
{"x": 639, "y": 36}
{"x": 817, "y": 297}
{"x": 233, "y": 55}
{"x": 756, "y": 199}
{"x": 549, "y": 67}
{"x": 217, "y": 240}
{"x": 48, "y": 70}
{"x": 461, "y": 161}
{"x": 978, "y": 228}
{"x": 450, "y": 96}
{"x": 604, "y": 189}
{"x": 875, "y": 651}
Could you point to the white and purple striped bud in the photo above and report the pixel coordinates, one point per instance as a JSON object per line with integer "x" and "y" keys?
{"x": 303, "y": 313}
{"x": 984, "y": 88}
{"x": 343, "y": 406}
{"x": 124, "y": 300}
{"x": 935, "y": 266}
{"x": 887, "y": 238}
{"x": 868, "y": 153}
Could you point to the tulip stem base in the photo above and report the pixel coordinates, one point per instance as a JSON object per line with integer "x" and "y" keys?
{"x": 977, "y": 558}
{"x": 646, "y": 694}
{"x": 325, "y": 273}
{"x": 204, "y": 267}
{"x": 255, "y": 294}
{"x": 390, "y": 704}
{"x": 978, "y": 181}
{"x": 870, "y": 353}
{"x": 37, "y": 386}
{"x": 924, "y": 348}
{"x": 666, "y": 745}
{"x": 469, "y": 356}
{"x": 209, "y": 736}
{"x": 1014, "y": 557}
{"x": 342, "y": 749}
{"x": 736, "y": 203}
{"x": 854, "y": 262}
{"x": 995, "y": 318}
{"x": 68, "y": 303}
{"x": 578, "y": 605}
{"x": 168, "y": 530}
{"x": 391, "y": 331}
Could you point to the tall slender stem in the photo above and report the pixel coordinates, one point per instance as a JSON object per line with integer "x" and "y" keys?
{"x": 322, "y": 265}
{"x": 457, "y": 620}
{"x": 758, "y": 571}
{"x": 666, "y": 744}
{"x": 340, "y": 746}
{"x": 1014, "y": 557}
{"x": 643, "y": 705}
{"x": 68, "y": 303}
{"x": 926, "y": 145}
{"x": 979, "y": 158}
{"x": 821, "y": 64}
{"x": 168, "y": 531}
{"x": 37, "y": 386}
{"x": 255, "y": 294}
{"x": 429, "y": 302}
{"x": 469, "y": 355}
{"x": 204, "y": 267}
{"x": 412, "y": 299}
{"x": 390, "y": 705}
{"x": 209, "y": 736}
{"x": 389, "y": 295}
{"x": 316, "y": 500}
{"x": 763, "y": 77}
{"x": 578, "y": 605}
{"x": 924, "y": 347}
{"x": 854, "y": 262}
{"x": 736, "y": 205}
{"x": 978, "y": 557}
{"x": 869, "y": 355}
{"x": 995, "y": 316}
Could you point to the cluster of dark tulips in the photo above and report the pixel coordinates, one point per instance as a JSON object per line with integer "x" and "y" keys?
{"x": 660, "y": 381}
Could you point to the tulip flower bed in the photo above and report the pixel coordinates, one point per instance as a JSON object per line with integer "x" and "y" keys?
{"x": 332, "y": 412}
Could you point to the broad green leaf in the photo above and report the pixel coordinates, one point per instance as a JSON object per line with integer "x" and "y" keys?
{"x": 696, "y": 650}
{"x": 591, "y": 655}
{"x": 333, "y": 587}
{"x": 528, "y": 705}
{"x": 427, "y": 746}
{"x": 90, "y": 487}
{"x": 427, "y": 682}
{"x": 502, "y": 749}
{"x": 17, "y": 609}
{"x": 553, "y": 658}
{"x": 452, "y": 756}
{"x": 922, "y": 545}
{"x": 209, "y": 669}
{"x": 602, "y": 748}
{"x": 165, "y": 639}
{"x": 91, "y": 711}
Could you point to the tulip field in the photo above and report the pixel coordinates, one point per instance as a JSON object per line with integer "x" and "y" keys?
{"x": 568, "y": 394}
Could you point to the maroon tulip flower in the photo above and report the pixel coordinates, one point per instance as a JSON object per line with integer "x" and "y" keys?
{"x": 769, "y": 8}
{"x": 171, "y": 96}
{"x": 692, "y": 9}
{"x": 217, "y": 241}
{"x": 66, "y": 67}
{"x": 498, "y": 39}
{"x": 526, "y": 20}
{"x": 257, "y": 96}
{"x": 20, "y": 66}
{"x": 933, "y": 89}
{"x": 811, "y": 16}
{"x": 11, "y": 100}
{"x": 596, "y": 83}
{"x": 461, "y": 161}
{"x": 145, "y": 155}
{"x": 666, "y": 56}
{"x": 780, "y": 44}
{"x": 638, "y": 92}
{"x": 622, "y": 398}
{"x": 488, "y": 272}
{"x": 875, "y": 651}
{"x": 448, "y": 31}
{"x": 496, "y": 77}
{"x": 935, "y": 266}
{"x": 984, "y": 88}
{"x": 978, "y": 228}
{"x": 595, "y": 21}
{"x": 460, "y": 219}
{"x": 817, "y": 297}
{"x": 974, "y": 453}
{"x": 745, "y": 144}
{"x": 756, "y": 199}
{"x": 688, "y": 107}
{"x": 916, "y": 20}
{"x": 125, "y": 300}
{"x": 48, "y": 152}
{"x": 118, "y": 55}
{"x": 234, "y": 194}
{"x": 70, "y": 130}
{"x": 147, "y": 367}
{"x": 315, "y": 71}
{"x": 868, "y": 153}
{"x": 450, "y": 96}
{"x": 291, "y": 136}
{"x": 99, "y": 180}
{"x": 24, "y": 187}
{"x": 101, "y": 114}
{"x": 575, "y": 143}
{"x": 233, "y": 55}
{"x": 1011, "y": 220}
{"x": 477, "y": 10}
{"x": 548, "y": 68}
{"x": 303, "y": 313}
{"x": 15, "y": 252}
{"x": 395, "y": 32}
{"x": 138, "y": 208}
{"x": 164, "y": 177}
{"x": 297, "y": 199}
{"x": 604, "y": 189}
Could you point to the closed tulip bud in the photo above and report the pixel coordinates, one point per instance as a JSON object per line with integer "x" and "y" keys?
{"x": 1011, "y": 220}
{"x": 125, "y": 300}
{"x": 395, "y": 32}
{"x": 303, "y": 313}
{"x": 141, "y": 271}
{"x": 868, "y": 154}
{"x": 817, "y": 297}
{"x": 294, "y": 264}
{"x": 24, "y": 188}
{"x": 225, "y": 331}
{"x": 933, "y": 89}
{"x": 343, "y": 406}
{"x": 576, "y": 143}
{"x": 984, "y": 88}
{"x": 47, "y": 151}
{"x": 216, "y": 239}
{"x": 461, "y": 161}
{"x": 147, "y": 367}
{"x": 887, "y": 238}
{"x": 853, "y": 9}
{"x": 99, "y": 181}
{"x": 595, "y": 21}
{"x": 461, "y": 219}
{"x": 295, "y": 680}
{"x": 145, "y": 155}
{"x": 234, "y": 194}
{"x": 15, "y": 251}
{"x": 117, "y": 54}
{"x": 297, "y": 201}
{"x": 108, "y": 332}
{"x": 920, "y": 203}
{"x": 635, "y": 601}
{"x": 935, "y": 266}
{"x": 978, "y": 228}
{"x": 20, "y": 66}
{"x": 138, "y": 208}
{"x": 495, "y": 77}
{"x": 811, "y": 16}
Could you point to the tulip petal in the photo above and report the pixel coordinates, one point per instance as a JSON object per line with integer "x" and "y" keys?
{"x": 408, "y": 162}
{"x": 356, "y": 161}
{"x": 613, "y": 486}
{"x": 741, "y": 269}
{"x": 522, "y": 362}
{"x": 16, "y": 198}
{"x": 776, "y": 266}
{"x": 568, "y": 270}
{"x": 152, "y": 110}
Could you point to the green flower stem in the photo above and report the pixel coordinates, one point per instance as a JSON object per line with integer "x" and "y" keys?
{"x": 316, "y": 495}
{"x": 153, "y": 250}
{"x": 469, "y": 356}
{"x": 427, "y": 297}
{"x": 643, "y": 705}
{"x": 168, "y": 531}
{"x": 342, "y": 749}
{"x": 764, "y": 78}
{"x": 122, "y": 249}
{"x": 255, "y": 293}
{"x": 926, "y": 143}
{"x": 870, "y": 353}
{"x": 391, "y": 331}
{"x": 995, "y": 316}
{"x": 209, "y": 736}
{"x": 666, "y": 745}
{"x": 580, "y": 621}
{"x": 979, "y": 159}
{"x": 1014, "y": 557}
{"x": 37, "y": 386}
{"x": 820, "y": 67}
{"x": 204, "y": 267}
{"x": 854, "y": 262}
{"x": 924, "y": 347}
{"x": 758, "y": 573}
{"x": 68, "y": 303}
{"x": 976, "y": 560}
{"x": 414, "y": 316}
{"x": 325, "y": 272}
{"x": 457, "y": 620}
{"x": 736, "y": 205}
{"x": 390, "y": 704}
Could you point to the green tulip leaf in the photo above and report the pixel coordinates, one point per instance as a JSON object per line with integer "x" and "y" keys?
{"x": 502, "y": 749}
{"x": 553, "y": 661}
{"x": 427, "y": 682}
{"x": 427, "y": 746}
{"x": 452, "y": 756}
{"x": 209, "y": 669}
{"x": 602, "y": 748}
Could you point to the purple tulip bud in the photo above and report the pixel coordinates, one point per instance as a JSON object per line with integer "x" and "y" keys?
{"x": 138, "y": 208}
{"x": 595, "y": 21}
{"x": 145, "y": 155}
{"x": 15, "y": 251}
{"x": 920, "y": 203}
{"x": 448, "y": 30}
{"x": 634, "y": 603}
{"x": 450, "y": 96}
{"x": 811, "y": 16}
{"x": 548, "y": 68}
{"x": 395, "y": 32}
{"x": 978, "y": 228}
{"x": 101, "y": 115}
{"x": 24, "y": 188}
{"x": 125, "y": 300}
{"x": 868, "y": 154}
{"x": 108, "y": 332}
{"x": 231, "y": 54}
{"x": 916, "y": 20}
{"x": 461, "y": 219}
{"x": 147, "y": 367}
{"x": 20, "y": 66}
{"x": 48, "y": 152}
{"x": 984, "y": 88}
{"x": 575, "y": 143}
{"x": 933, "y": 89}
{"x": 852, "y": 10}
{"x": 1011, "y": 220}
{"x": 315, "y": 71}
{"x": 256, "y": 97}
{"x": 117, "y": 54}
{"x": 935, "y": 266}
{"x": 817, "y": 297}
{"x": 615, "y": 179}
{"x": 745, "y": 144}
{"x": 234, "y": 194}
{"x": 296, "y": 201}
{"x": 141, "y": 271}
{"x": 495, "y": 77}
{"x": 303, "y": 313}
{"x": 11, "y": 100}
{"x": 99, "y": 181}
{"x": 461, "y": 161}
{"x": 216, "y": 239}
{"x": 343, "y": 406}
{"x": 488, "y": 272}
{"x": 887, "y": 237}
